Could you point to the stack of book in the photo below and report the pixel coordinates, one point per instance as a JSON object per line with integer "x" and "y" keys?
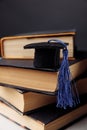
{"x": 28, "y": 94}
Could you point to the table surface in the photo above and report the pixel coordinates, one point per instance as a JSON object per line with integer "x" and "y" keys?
{"x": 6, "y": 124}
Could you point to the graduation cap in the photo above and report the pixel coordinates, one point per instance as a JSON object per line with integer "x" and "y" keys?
{"x": 47, "y": 55}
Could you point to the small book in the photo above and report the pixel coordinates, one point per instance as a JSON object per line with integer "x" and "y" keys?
{"x": 12, "y": 47}
{"x": 24, "y": 101}
{"x": 22, "y": 74}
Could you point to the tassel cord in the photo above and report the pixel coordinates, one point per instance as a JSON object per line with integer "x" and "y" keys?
{"x": 67, "y": 93}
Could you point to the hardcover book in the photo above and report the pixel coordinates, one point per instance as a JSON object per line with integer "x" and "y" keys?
{"x": 12, "y": 46}
{"x": 46, "y": 118}
{"x": 24, "y": 101}
{"x": 22, "y": 74}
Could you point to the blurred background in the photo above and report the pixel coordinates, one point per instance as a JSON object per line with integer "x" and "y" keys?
{"x": 31, "y": 16}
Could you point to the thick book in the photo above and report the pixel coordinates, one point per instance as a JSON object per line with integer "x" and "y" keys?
{"x": 12, "y": 47}
{"x": 46, "y": 118}
{"x": 22, "y": 74}
{"x": 24, "y": 101}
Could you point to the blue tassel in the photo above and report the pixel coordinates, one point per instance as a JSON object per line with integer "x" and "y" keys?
{"x": 67, "y": 95}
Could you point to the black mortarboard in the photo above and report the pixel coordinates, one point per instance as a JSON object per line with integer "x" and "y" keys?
{"x": 47, "y": 55}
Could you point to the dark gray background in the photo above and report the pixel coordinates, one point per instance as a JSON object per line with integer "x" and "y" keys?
{"x": 27, "y": 16}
